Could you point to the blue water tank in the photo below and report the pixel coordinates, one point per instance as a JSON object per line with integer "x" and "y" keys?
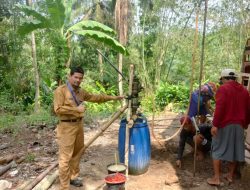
{"x": 139, "y": 145}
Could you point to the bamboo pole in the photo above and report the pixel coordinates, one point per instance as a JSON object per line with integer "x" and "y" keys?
{"x": 24, "y": 184}
{"x": 40, "y": 177}
{"x": 47, "y": 181}
{"x": 193, "y": 65}
{"x": 201, "y": 74}
{"x": 130, "y": 122}
{"x": 116, "y": 115}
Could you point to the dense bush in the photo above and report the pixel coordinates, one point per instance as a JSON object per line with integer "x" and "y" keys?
{"x": 176, "y": 94}
{"x": 8, "y": 104}
{"x": 171, "y": 93}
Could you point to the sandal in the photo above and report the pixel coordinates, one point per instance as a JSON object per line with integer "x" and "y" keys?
{"x": 76, "y": 182}
{"x": 211, "y": 181}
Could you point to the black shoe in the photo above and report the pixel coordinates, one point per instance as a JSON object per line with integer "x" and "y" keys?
{"x": 76, "y": 182}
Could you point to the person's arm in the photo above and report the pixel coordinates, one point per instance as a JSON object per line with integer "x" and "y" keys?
{"x": 61, "y": 109}
{"x": 99, "y": 98}
{"x": 209, "y": 108}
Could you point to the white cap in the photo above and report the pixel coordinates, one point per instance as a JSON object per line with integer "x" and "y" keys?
{"x": 228, "y": 73}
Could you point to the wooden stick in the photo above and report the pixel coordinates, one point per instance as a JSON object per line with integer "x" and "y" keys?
{"x": 47, "y": 181}
{"x": 6, "y": 168}
{"x": 20, "y": 160}
{"x": 8, "y": 159}
{"x": 195, "y": 143}
{"x": 116, "y": 115}
{"x": 130, "y": 122}
{"x": 201, "y": 71}
{"x": 40, "y": 177}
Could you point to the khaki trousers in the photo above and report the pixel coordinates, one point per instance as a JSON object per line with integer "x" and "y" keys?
{"x": 70, "y": 139}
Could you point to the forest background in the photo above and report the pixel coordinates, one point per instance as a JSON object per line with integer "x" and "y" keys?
{"x": 36, "y": 51}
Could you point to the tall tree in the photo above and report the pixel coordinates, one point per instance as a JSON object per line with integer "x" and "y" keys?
{"x": 99, "y": 17}
{"x": 35, "y": 66}
{"x": 121, "y": 23}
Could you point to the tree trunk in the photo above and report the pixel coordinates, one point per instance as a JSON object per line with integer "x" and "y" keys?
{"x": 35, "y": 66}
{"x": 121, "y": 22}
{"x": 99, "y": 17}
{"x": 146, "y": 80}
{"x": 37, "y": 78}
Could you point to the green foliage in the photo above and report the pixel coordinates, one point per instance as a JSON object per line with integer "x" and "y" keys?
{"x": 98, "y": 32}
{"x": 9, "y": 124}
{"x": 8, "y": 105}
{"x": 170, "y": 93}
{"x": 30, "y": 157}
{"x": 147, "y": 103}
{"x": 54, "y": 19}
{"x": 160, "y": 47}
{"x": 41, "y": 118}
{"x": 91, "y": 25}
{"x": 104, "y": 38}
{"x": 165, "y": 94}
{"x": 102, "y": 109}
{"x": 56, "y": 11}
{"x": 37, "y": 22}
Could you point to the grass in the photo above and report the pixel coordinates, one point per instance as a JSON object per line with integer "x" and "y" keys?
{"x": 30, "y": 157}
{"x": 11, "y": 123}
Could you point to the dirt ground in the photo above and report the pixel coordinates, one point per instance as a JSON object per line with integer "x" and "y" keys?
{"x": 39, "y": 146}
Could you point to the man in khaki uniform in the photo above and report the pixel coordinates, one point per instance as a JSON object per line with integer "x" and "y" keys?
{"x": 68, "y": 106}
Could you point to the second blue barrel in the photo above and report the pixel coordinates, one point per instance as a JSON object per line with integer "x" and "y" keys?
{"x": 139, "y": 146}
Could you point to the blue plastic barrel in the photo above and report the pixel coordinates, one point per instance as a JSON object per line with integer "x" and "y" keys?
{"x": 139, "y": 146}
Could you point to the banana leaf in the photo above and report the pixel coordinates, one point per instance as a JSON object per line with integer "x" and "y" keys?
{"x": 104, "y": 38}
{"x": 91, "y": 25}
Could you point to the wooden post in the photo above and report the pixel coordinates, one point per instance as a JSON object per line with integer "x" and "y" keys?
{"x": 130, "y": 122}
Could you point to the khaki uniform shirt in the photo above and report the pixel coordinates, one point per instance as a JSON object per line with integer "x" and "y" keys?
{"x": 65, "y": 106}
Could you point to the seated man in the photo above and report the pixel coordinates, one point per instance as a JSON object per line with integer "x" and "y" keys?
{"x": 187, "y": 135}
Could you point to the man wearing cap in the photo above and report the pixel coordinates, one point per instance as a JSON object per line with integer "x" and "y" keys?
{"x": 231, "y": 117}
{"x": 69, "y": 107}
{"x": 187, "y": 135}
{"x": 208, "y": 91}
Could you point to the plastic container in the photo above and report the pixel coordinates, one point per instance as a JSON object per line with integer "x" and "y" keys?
{"x": 139, "y": 146}
{"x": 115, "y": 181}
{"x": 116, "y": 168}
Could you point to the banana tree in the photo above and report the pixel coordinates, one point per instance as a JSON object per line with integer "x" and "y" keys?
{"x": 54, "y": 19}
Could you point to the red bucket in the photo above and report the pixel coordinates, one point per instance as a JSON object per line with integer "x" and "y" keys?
{"x": 115, "y": 181}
